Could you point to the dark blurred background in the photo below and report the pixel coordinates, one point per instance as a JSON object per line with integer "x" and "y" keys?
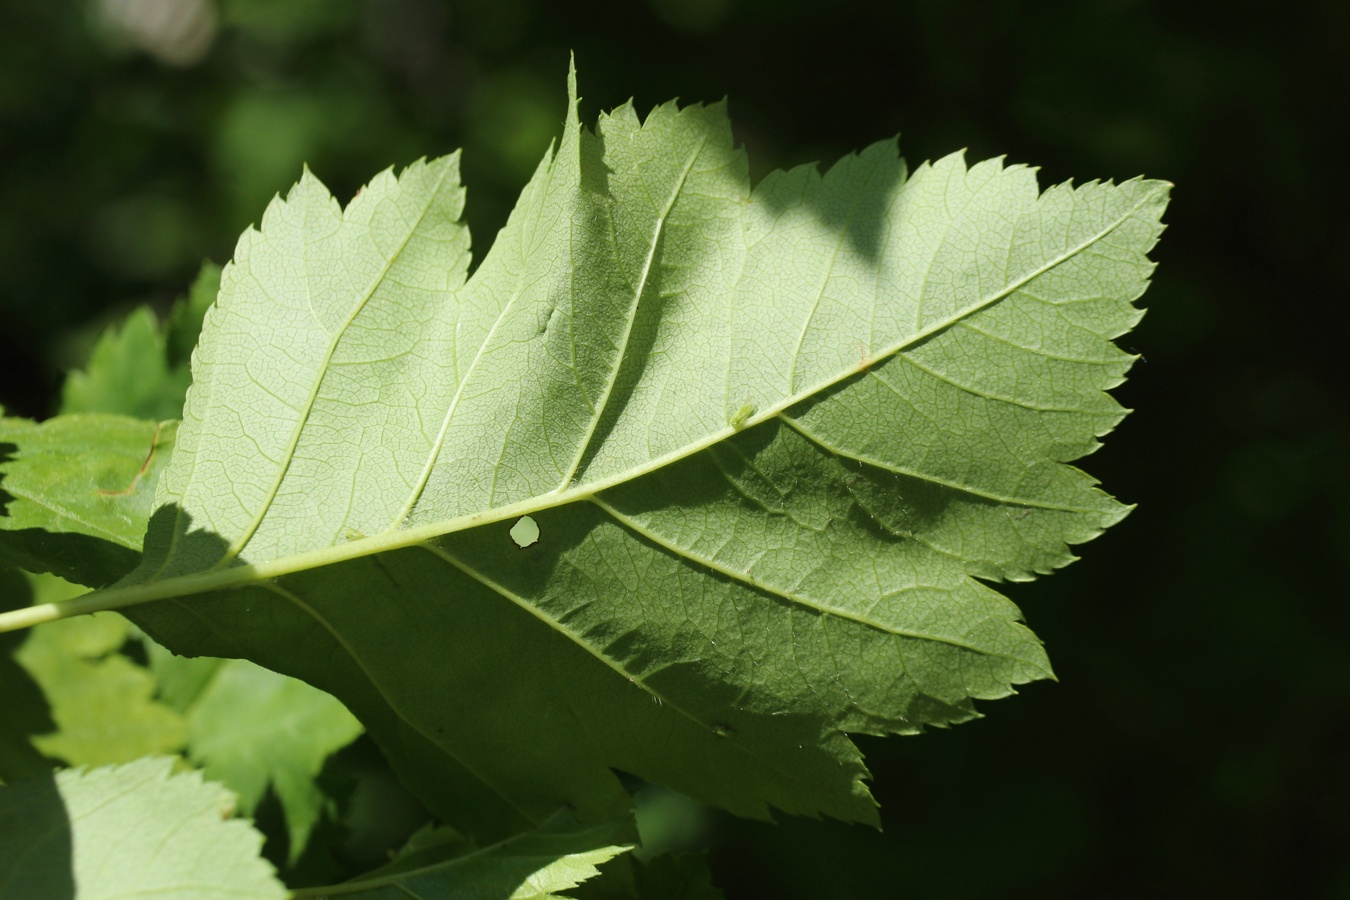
{"x": 1196, "y": 744}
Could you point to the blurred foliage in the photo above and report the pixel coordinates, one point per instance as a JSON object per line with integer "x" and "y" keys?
{"x": 1195, "y": 744}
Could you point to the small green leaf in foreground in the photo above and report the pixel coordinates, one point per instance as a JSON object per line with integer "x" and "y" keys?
{"x": 537, "y": 865}
{"x": 128, "y": 831}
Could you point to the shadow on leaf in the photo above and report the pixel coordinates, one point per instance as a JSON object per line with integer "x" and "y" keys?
{"x": 36, "y": 849}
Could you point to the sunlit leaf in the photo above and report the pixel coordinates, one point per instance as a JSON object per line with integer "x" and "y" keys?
{"x": 537, "y": 865}
{"x": 770, "y": 438}
{"x": 128, "y": 831}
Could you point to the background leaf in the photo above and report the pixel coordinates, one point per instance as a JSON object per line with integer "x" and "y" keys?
{"x": 76, "y": 491}
{"x": 139, "y": 368}
{"x": 102, "y": 703}
{"x": 128, "y": 831}
{"x": 252, "y": 729}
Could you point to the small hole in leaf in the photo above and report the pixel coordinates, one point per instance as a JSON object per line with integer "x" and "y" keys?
{"x": 525, "y": 532}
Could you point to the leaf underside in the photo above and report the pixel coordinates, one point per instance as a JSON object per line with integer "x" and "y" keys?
{"x": 771, "y": 438}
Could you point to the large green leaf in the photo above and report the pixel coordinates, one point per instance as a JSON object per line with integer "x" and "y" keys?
{"x": 128, "y": 831}
{"x": 769, "y": 437}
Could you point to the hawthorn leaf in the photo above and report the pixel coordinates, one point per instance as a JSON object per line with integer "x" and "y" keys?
{"x": 775, "y": 441}
{"x": 76, "y": 492}
{"x": 136, "y": 830}
{"x": 127, "y": 370}
{"x": 71, "y": 695}
{"x": 536, "y": 865}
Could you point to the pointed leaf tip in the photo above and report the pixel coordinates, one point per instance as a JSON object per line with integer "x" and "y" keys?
{"x": 572, "y": 99}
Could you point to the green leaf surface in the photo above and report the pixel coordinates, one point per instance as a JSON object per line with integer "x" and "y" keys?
{"x": 139, "y": 369}
{"x": 102, "y": 703}
{"x": 76, "y": 491}
{"x": 537, "y": 865}
{"x": 128, "y": 831}
{"x": 251, "y": 728}
{"x": 770, "y": 439}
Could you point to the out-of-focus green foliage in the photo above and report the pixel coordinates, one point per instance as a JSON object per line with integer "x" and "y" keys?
{"x": 254, "y": 731}
{"x": 1195, "y": 739}
{"x": 102, "y": 702}
{"x": 139, "y": 368}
